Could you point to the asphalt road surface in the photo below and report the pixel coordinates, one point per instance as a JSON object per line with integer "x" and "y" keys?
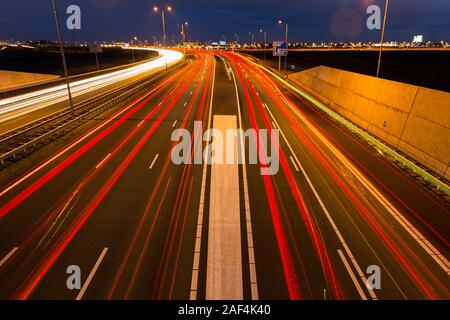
{"x": 333, "y": 222}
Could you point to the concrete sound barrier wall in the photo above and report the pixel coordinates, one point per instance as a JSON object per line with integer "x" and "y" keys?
{"x": 412, "y": 119}
{"x": 12, "y": 79}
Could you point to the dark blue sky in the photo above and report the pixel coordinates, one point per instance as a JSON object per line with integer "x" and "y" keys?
{"x": 309, "y": 20}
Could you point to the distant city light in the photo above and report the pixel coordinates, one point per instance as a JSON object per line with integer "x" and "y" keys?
{"x": 418, "y": 39}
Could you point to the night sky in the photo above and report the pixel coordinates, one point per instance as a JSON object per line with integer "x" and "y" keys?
{"x": 309, "y": 20}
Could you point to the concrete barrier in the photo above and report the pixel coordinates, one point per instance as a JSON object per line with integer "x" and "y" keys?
{"x": 412, "y": 119}
{"x": 11, "y": 79}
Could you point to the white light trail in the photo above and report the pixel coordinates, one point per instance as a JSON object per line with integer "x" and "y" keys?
{"x": 20, "y": 105}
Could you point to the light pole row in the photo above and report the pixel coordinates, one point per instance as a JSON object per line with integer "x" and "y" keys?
{"x": 263, "y": 32}
{"x": 169, "y": 9}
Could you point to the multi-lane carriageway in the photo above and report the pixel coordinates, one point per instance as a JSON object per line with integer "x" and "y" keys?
{"x": 141, "y": 227}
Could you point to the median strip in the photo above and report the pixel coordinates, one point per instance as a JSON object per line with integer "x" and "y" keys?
{"x": 224, "y": 262}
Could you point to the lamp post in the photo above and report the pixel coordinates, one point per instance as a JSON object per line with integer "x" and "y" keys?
{"x": 132, "y": 47}
{"x": 287, "y": 44}
{"x": 63, "y": 56}
{"x": 265, "y": 41}
{"x": 183, "y": 33}
{"x": 96, "y": 55}
{"x": 252, "y": 37}
{"x": 169, "y": 9}
{"x": 382, "y": 38}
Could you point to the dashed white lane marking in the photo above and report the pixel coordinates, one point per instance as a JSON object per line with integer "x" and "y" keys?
{"x": 154, "y": 161}
{"x": 77, "y": 142}
{"x": 293, "y": 163}
{"x": 440, "y": 259}
{"x": 91, "y": 274}
{"x": 185, "y": 104}
{"x": 141, "y": 123}
{"x": 174, "y": 123}
{"x": 327, "y": 214}
{"x": 103, "y": 161}
{"x": 8, "y": 255}
{"x": 352, "y": 275}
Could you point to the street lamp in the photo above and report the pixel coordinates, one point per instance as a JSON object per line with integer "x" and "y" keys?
{"x": 169, "y": 9}
{"x": 287, "y": 45}
{"x": 132, "y": 47}
{"x": 183, "y": 33}
{"x": 382, "y": 38}
{"x": 63, "y": 56}
{"x": 265, "y": 41}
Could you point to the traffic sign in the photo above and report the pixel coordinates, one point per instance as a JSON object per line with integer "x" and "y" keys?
{"x": 279, "y": 48}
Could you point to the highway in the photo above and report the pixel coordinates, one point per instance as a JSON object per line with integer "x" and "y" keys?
{"x": 23, "y": 109}
{"x": 139, "y": 226}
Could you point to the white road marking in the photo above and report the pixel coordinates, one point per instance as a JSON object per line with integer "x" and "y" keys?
{"x": 8, "y": 255}
{"x": 224, "y": 257}
{"x": 352, "y": 275}
{"x": 327, "y": 214}
{"x": 293, "y": 163}
{"x": 185, "y": 104}
{"x": 141, "y": 123}
{"x": 198, "y": 237}
{"x": 154, "y": 161}
{"x": 91, "y": 274}
{"x": 434, "y": 253}
{"x": 77, "y": 142}
{"x": 408, "y": 227}
{"x": 103, "y": 161}
{"x": 174, "y": 123}
{"x": 248, "y": 220}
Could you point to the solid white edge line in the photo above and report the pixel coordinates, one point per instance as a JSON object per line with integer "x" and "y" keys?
{"x": 91, "y": 274}
{"x": 224, "y": 269}
{"x": 327, "y": 214}
{"x": 434, "y": 253}
{"x": 250, "y": 242}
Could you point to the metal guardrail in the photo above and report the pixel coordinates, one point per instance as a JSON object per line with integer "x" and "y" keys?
{"x": 425, "y": 176}
{"x": 55, "y": 125}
